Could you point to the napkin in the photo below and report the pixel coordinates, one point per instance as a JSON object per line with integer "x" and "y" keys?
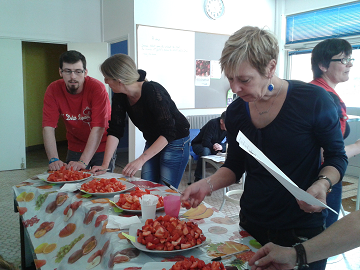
{"x": 116, "y": 222}
{"x": 148, "y": 199}
{"x": 70, "y": 187}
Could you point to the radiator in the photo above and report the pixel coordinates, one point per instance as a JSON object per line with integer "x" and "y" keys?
{"x": 198, "y": 121}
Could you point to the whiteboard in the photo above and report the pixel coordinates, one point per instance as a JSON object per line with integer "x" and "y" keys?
{"x": 167, "y": 56}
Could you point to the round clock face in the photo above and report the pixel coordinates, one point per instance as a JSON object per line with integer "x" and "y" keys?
{"x": 214, "y": 9}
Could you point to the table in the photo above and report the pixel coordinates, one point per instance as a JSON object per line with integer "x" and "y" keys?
{"x": 34, "y": 203}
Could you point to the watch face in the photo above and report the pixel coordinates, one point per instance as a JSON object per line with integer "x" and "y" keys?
{"x": 214, "y": 9}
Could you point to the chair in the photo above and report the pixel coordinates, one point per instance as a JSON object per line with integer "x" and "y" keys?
{"x": 228, "y": 193}
{"x": 192, "y": 157}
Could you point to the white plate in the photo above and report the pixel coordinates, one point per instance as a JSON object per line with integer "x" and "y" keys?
{"x": 157, "y": 265}
{"x": 45, "y": 176}
{"x": 116, "y": 199}
{"x": 128, "y": 186}
{"x": 133, "y": 231}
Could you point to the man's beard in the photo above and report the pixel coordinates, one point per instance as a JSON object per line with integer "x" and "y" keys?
{"x": 72, "y": 89}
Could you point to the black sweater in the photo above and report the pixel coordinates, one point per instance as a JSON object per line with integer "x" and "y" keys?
{"x": 154, "y": 114}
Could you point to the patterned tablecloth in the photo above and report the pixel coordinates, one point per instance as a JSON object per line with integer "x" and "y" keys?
{"x": 79, "y": 239}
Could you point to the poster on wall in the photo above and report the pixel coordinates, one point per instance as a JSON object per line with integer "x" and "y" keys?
{"x": 202, "y": 72}
{"x": 167, "y": 55}
{"x": 215, "y": 69}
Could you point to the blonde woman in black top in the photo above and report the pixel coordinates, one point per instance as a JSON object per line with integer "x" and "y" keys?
{"x": 154, "y": 113}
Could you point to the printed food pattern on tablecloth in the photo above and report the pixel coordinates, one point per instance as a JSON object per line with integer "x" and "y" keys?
{"x": 217, "y": 230}
{"x": 223, "y": 220}
{"x": 123, "y": 256}
{"x": 228, "y": 247}
{"x": 70, "y": 209}
{"x": 60, "y": 199}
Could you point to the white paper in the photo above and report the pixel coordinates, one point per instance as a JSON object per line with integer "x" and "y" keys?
{"x": 216, "y": 158}
{"x": 297, "y": 192}
{"x": 117, "y": 222}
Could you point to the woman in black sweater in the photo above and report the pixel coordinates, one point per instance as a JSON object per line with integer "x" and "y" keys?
{"x": 154, "y": 113}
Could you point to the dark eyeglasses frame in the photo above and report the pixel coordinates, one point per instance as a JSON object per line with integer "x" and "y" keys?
{"x": 344, "y": 61}
{"x": 76, "y": 71}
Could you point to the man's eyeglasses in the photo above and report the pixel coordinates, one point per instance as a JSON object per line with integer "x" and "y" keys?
{"x": 344, "y": 61}
{"x": 76, "y": 71}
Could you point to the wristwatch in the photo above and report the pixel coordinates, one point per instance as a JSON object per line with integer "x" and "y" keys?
{"x": 326, "y": 178}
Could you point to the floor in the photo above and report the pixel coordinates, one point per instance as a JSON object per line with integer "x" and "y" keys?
{"x": 37, "y": 163}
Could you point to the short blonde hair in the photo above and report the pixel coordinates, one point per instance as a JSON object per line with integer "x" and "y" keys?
{"x": 252, "y": 44}
{"x": 120, "y": 67}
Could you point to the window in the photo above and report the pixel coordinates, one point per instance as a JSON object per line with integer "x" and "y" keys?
{"x": 300, "y": 63}
{"x": 338, "y": 21}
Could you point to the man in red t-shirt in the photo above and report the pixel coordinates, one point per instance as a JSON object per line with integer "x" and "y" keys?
{"x": 84, "y": 105}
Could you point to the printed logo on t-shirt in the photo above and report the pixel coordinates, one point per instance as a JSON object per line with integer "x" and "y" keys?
{"x": 85, "y": 116}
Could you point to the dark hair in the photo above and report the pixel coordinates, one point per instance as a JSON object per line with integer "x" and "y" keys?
{"x": 325, "y": 50}
{"x": 223, "y": 116}
{"x": 72, "y": 57}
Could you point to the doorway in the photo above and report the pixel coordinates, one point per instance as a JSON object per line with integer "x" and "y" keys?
{"x": 40, "y": 68}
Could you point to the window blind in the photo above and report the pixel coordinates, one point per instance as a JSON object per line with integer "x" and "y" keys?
{"x": 333, "y": 22}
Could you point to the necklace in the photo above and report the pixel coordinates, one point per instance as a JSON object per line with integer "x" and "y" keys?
{"x": 264, "y": 112}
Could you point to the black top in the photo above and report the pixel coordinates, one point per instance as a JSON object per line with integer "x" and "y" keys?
{"x": 210, "y": 134}
{"x": 307, "y": 122}
{"x": 154, "y": 114}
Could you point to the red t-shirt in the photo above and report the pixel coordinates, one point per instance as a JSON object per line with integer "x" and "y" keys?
{"x": 322, "y": 83}
{"x": 80, "y": 112}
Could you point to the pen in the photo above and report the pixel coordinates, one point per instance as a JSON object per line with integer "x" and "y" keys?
{"x": 228, "y": 255}
{"x": 172, "y": 187}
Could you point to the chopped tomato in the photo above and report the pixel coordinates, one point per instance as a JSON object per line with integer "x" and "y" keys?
{"x": 132, "y": 199}
{"x": 103, "y": 185}
{"x": 64, "y": 175}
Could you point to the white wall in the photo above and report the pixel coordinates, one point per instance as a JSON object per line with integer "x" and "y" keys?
{"x": 182, "y": 15}
{"x": 51, "y": 21}
{"x": 12, "y": 129}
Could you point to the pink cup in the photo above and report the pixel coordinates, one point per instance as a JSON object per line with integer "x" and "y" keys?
{"x": 172, "y": 205}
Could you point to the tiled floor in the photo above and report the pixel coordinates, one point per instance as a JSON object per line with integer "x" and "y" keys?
{"x": 37, "y": 163}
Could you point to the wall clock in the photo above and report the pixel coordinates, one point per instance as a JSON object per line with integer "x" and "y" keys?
{"x": 214, "y": 9}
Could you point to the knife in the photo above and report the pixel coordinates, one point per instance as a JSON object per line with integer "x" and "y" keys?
{"x": 172, "y": 187}
{"x": 228, "y": 255}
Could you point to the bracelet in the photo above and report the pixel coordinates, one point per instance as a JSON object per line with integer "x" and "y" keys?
{"x": 82, "y": 162}
{"x": 53, "y": 160}
{"x": 301, "y": 260}
{"x": 211, "y": 186}
{"x": 326, "y": 178}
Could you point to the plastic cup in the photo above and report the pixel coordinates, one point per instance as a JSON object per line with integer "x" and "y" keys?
{"x": 172, "y": 205}
{"x": 148, "y": 206}
{"x": 148, "y": 212}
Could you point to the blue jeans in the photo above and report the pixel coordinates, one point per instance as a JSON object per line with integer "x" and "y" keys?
{"x": 169, "y": 164}
{"x": 200, "y": 151}
{"x": 333, "y": 200}
{"x": 96, "y": 160}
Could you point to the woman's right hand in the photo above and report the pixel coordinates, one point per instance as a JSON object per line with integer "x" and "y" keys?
{"x": 195, "y": 193}
{"x": 96, "y": 170}
{"x": 56, "y": 165}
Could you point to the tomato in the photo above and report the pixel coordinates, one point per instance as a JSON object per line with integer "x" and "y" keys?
{"x": 103, "y": 186}
{"x": 64, "y": 175}
{"x": 132, "y": 199}
{"x": 196, "y": 264}
{"x": 169, "y": 233}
